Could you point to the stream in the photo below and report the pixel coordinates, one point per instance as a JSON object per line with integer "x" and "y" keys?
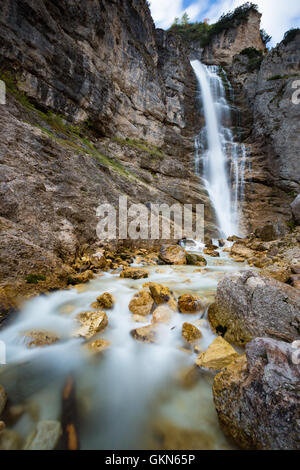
{"x": 132, "y": 395}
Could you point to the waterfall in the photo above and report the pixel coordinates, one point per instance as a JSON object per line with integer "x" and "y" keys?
{"x": 219, "y": 159}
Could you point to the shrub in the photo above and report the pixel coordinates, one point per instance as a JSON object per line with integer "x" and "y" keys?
{"x": 255, "y": 58}
{"x": 290, "y": 35}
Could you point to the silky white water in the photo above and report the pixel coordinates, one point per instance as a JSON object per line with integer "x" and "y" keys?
{"x": 123, "y": 392}
{"x": 218, "y": 156}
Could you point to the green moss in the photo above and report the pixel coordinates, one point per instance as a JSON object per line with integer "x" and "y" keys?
{"x": 34, "y": 278}
{"x": 291, "y": 225}
{"x": 141, "y": 145}
{"x": 282, "y": 77}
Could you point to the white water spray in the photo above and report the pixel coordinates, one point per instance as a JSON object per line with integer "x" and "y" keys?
{"x": 215, "y": 149}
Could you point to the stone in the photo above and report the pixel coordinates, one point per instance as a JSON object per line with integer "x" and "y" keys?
{"x": 280, "y": 273}
{"x": 162, "y": 314}
{"x": 2, "y": 426}
{"x": 172, "y": 254}
{"x": 190, "y": 333}
{"x": 91, "y": 323}
{"x": 40, "y": 338}
{"x": 295, "y": 206}
{"x": 81, "y": 278}
{"x": 98, "y": 346}
{"x": 211, "y": 252}
{"x": 195, "y": 260}
{"x": 257, "y": 397}
{"x": 146, "y": 334}
{"x": 270, "y": 231}
{"x": 105, "y": 300}
{"x": 248, "y": 305}
{"x": 98, "y": 259}
{"x": 296, "y": 268}
{"x": 171, "y": 437}
{"x": 139, "y": 318}
{"x": 190, "y": 304}
{"x": 142, "y": 303}
{"x": 10, "y": 440}
{"x": 240, "y": 250}
{"x": 218, "y": 355}
{"x": 3, "y": 399}
{"x": 160, "y": 294}
{"x": 45, "y": 437}
{"x": 134, "y": 273}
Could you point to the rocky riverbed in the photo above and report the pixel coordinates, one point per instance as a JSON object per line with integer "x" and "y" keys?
{"x": 141, "y": 341}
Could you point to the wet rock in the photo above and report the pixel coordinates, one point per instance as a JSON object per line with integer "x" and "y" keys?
{"x": 92, "y": 323}
{"x": 296, "y": 268}
{"x": 162, "y": 314}
{"x": 80, "y": 278}
{"x": 160, "y": 294}
{"x": 45, "y": 437}
{"x": 134, "y": 273}
{"x": 270, "y": 231}
{"x": 189, "y": 377}
{"x": 98, "y": 260}
{"x": 40, "y": 338}
{"x": 139, "y": 318}
{"x": 190, "y": 304}
{"x": 195, "y": 260}
{"x": 146, "y": 334}
{"x": 280, "y": 273}
{"x": 296, "y": 209}
{"x": 9, "y": 440}
{"x": 257, "y": 397}
{"x": 105, "y": 300}
{"x": 173, "y": 254}
{"x": 248, "y": 305}
{"x": 141, "y": 303}
{"x": 211, "y": 252}
{"x": 2, "y": 426}
{"x": 218, "y": 355}
{"x": 190, "y": 333}
{"x": 240, "y": 250}
{"x": 3, "y": 399}
{"x": 98, "y": 346}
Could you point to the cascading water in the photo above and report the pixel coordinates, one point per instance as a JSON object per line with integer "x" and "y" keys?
{"x": 216, "y": 150}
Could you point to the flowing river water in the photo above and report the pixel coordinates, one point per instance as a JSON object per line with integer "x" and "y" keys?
{"x": 131, "y": 396}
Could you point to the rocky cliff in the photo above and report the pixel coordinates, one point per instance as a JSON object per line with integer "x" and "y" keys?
{"x": 99, "y": 104}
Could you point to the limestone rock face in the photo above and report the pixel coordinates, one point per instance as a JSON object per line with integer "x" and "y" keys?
{"x": 248, "y": 305}
{"x": 257, "y": 397}
{"x": 296, "y": 209}
{"x": 229, "y": 42}
{"x": 218, "y": 355}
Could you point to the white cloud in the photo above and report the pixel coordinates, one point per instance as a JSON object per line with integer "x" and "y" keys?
{"x": 278, "y": 16}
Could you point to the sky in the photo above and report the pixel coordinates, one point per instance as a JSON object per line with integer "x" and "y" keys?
{"x": 278, "y": 15}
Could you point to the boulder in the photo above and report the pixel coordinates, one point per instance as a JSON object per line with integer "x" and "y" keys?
{"x": 162, "y": 314}
{"x": 172, "y": 254}
{"x": 257, "y": 397}
{"x": 248, "y": 305}
{"x": 218, "y": 355}
{"x": 190, "y": 333}
{"x": 195, "y": 260}
{"x": 190, "y": 304}
{"x": 80, "y": 278}
{"x": 45, "y": 437}
{"x": 98, "y": 260}
{"x": 105, "y": 300}
{"x": 211, "y": 252}
{"x": 40, "y": 338}
{"x": 146, "y": 334}
{"x": 3, "y": 399}
{"x": 296, "y": 209}
{"x": 270, "y": 231}
{"x": 134, "y": 273}
{"x": 240, "y": 250}
{"x": 280, "y": 273}
{"x": 91, "y": 323}
{"x": 160, "y": 294}
{"x": 141, "y": 303}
